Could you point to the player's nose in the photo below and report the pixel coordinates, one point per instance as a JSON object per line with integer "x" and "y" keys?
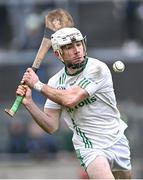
{"x": 75, "y": 48}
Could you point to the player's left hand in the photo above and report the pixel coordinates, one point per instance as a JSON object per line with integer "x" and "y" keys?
{"x": 30, "y": 77}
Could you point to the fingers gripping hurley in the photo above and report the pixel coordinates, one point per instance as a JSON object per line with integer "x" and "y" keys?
{"x": 54, "y": 20}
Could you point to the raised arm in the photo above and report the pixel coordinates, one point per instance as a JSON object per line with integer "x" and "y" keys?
{"x": 68, "y": 98}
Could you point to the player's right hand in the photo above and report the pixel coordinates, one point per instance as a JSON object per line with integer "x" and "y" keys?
{"x": 30, "y": 78}
{"x": 21, "y": 90}
{"x": 24, "y": 90}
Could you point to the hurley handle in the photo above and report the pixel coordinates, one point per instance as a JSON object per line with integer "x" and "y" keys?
{"x": 18, "y": 101}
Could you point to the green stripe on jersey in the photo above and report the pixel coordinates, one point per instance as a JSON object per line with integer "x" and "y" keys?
{"x": 84, "y": 82}
{"x": 85, "y": 139}
{"x": 62, "y": 78}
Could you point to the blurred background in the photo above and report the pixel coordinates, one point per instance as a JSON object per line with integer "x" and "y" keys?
{"x": 114, "y": 30}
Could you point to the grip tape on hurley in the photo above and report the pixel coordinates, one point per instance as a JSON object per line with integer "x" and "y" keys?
{"x": 15, "y": 105}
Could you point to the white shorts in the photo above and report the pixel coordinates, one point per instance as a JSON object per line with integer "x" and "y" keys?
{"x": 118, "y": 155}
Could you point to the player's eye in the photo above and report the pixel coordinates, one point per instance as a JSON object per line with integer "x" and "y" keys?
{"x": 68, "y": 46}
{"x": 79, "y": 43}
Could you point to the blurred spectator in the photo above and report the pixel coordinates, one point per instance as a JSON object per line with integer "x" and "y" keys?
{"x": 5, "y": 32}
{"x": 127, "y": 12}
{"x": 34, "y": 30}
{"x": 27, "y": 22}
{"x": 17, "y": 137}
{"x": 30, "y": 138}
{"x": 18, "y": 11}
{"x": 131, "y": 19}
{"x": 40, "y": 144}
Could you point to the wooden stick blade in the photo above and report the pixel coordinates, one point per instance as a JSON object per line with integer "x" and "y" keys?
{"x": 57, "y": 19}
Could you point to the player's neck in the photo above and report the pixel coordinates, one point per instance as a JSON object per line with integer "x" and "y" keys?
{"x": 73, "y": 72}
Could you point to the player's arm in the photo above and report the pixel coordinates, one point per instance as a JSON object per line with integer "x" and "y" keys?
{"x": 47, "y": 120}
{"x": 68, "y": 98}
{"x": 99, "y": 80}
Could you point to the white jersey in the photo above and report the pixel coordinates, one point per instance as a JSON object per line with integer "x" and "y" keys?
{"x": 95, "y": 121}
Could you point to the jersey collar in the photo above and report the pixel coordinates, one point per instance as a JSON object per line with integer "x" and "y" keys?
{"x": 83, "y": 67}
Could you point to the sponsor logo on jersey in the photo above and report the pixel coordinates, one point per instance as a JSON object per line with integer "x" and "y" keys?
{"x": 83, "y": 103}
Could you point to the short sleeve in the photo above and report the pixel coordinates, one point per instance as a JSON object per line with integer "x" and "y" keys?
{"x": 51, "y": 104}
{"x": 97, "y": 79}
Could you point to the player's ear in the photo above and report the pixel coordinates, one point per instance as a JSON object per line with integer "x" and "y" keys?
{"x": 56, "y": 53}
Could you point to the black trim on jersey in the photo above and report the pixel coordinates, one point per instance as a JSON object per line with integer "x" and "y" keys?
{"x": 79, "y": 71}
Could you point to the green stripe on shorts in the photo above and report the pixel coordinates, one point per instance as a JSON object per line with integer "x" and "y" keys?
{"x": 80, "y": 159}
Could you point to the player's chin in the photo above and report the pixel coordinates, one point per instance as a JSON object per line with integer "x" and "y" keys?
{"x": 78, "y": 60}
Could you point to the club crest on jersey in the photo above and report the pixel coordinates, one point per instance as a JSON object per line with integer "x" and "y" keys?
{"x": 61, "y": 87}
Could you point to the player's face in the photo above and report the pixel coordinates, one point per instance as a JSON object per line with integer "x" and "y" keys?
{"x": 73, "y": 53}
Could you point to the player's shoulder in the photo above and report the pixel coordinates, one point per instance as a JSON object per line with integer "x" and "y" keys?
{"x": 96, "y": 63}
{"x": 97, "y": 69}
{"x": 56, "y": 76}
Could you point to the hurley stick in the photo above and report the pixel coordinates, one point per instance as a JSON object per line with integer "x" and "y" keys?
{"x": 54, "y": 20}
